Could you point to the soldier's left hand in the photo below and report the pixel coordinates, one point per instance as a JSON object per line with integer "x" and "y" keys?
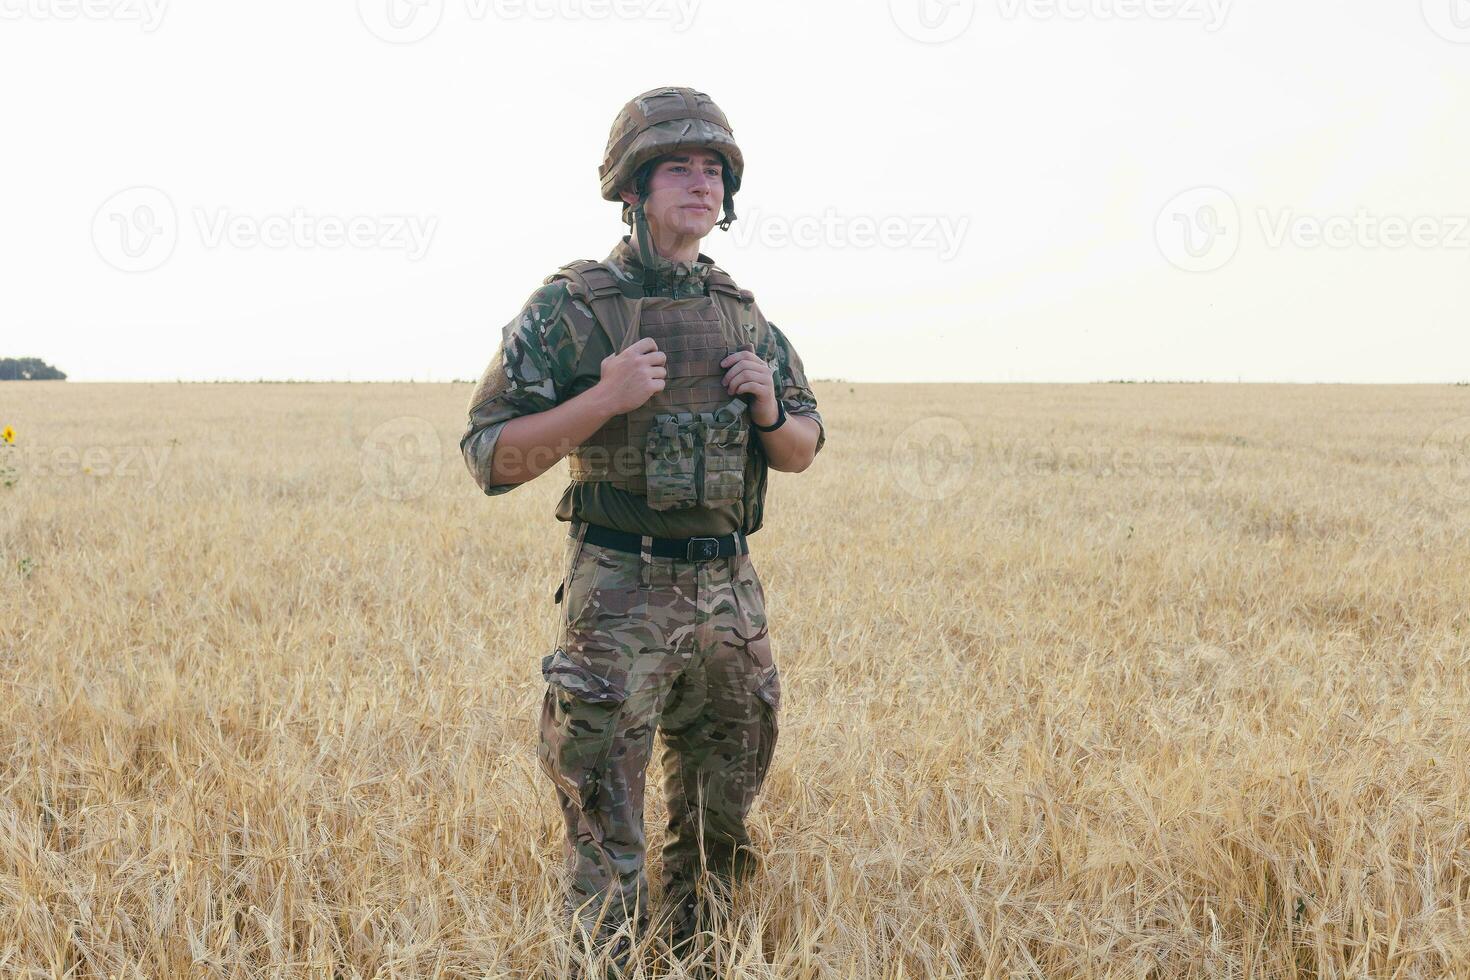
{"x": 748, "y": 374}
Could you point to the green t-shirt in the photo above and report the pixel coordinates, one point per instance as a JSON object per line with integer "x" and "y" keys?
{"x": 535, "y": 368}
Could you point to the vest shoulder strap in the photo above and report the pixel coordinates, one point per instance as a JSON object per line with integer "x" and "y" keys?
{"x": 721, "y": 282}
{"x": 593, "y": 283}
{"x": 736, "y": 305}
{"x": 589, "y": 279}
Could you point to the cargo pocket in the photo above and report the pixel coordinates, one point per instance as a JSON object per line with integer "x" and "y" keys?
{"x": 579, "y": 718}
{"x": 764, "y": 676}
{"x": 578, "y": 581}
{"x": 669, "y": 461}
{"x": 725, "y": 438}
{"x": 769, "y": 695}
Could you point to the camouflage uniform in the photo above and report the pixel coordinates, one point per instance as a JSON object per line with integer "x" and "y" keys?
{"x": 646, "y": 643}
{"x": 689, "y": 655}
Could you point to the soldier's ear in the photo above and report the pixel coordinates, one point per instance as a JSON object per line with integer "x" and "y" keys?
{"x": 629, "y": 196}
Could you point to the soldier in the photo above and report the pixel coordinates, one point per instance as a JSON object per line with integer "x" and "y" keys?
{"x": 650, "y": 370}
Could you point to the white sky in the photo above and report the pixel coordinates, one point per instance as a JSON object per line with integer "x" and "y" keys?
{"x": 1049, "y": 139}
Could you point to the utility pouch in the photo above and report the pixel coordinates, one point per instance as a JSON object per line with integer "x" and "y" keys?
{"x": 670, "y": 460}
{"x": 726, "y": 434}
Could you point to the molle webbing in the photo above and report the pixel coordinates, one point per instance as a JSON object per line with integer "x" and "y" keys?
{"x": 694, "y": 341}
{"x": 695, "y": 334}
{"x": 594, "y": 284}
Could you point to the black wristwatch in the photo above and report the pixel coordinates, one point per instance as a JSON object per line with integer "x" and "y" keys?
{"x": 780, "y": 419}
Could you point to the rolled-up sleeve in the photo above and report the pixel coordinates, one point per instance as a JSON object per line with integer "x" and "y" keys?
{"x": 526, "y": 375}
{"x": 796, "y": 395}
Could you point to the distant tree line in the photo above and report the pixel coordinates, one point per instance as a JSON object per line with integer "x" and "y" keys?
{"x": 28, "y": 369}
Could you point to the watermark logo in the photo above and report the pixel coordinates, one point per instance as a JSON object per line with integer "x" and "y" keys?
{"x": 401, "y": 458}
{"x": 147, "y": 14}
{"x": 400, "y": 21}
{"x": 136, "y": 230}
{"x": 942, "y": 234}
{"x": 932, "y": 459}
{"x": 1450, "y": 19}
{"x": 1211, "y": 14}
{"x": 1447, "y": 459}
{"x": 1199, "y": 230}
{"x": 932, "y": 21}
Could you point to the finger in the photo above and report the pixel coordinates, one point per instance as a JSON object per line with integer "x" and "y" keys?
{"x": 643, "y": 345}
{"x": 659, "y": 372}
{"x": 744, "y": 384}
{"x": 744, "y": 374}
{"x": 656, "y": 357}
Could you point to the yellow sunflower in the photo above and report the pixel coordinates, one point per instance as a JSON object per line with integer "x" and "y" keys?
{"x": 8, "y": 434}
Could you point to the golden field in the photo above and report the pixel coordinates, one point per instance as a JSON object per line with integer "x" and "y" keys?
{"x": 1080, "y": 681}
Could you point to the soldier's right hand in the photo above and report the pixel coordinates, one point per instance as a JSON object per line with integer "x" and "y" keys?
{"x": 630, "y": 378}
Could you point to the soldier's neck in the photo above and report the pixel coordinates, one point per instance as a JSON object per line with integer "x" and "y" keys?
{"x": 672, "y": 246}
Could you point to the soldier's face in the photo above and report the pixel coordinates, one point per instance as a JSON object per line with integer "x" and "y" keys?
{"x": 686, "y": 193}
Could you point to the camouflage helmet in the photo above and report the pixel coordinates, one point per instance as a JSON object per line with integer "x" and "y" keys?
{"x": 663, "y": 121}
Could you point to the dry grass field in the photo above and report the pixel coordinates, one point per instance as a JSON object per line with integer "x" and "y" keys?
{"x": 1080, "y": 681}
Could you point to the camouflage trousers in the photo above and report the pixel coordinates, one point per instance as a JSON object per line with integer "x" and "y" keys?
{"x": 668, "y": 645}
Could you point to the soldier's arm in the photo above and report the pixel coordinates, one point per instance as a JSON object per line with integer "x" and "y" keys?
{"x": 517, "y": 406}
{"x": 794, "y": 446}
{"x": 529, "y": 445}
{"x": 519, "y": 426}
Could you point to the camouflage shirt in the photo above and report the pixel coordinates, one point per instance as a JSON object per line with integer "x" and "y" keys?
{"x": 536, "y": 369}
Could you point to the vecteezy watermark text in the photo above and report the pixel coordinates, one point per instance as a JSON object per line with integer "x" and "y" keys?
{"x": 147, "y": 14}
{"x": 137, "y": 230}
{"x": 144, "y": 463}
{"x": 1203, "y": 464}
{"x": 934, "y": 457}
{"x": 942, "y": 234}
{"x": 938, "y": 21}
{"x": 1211, "y": 14}
{"x": 407, "y": 21}
{"x": 1364, "y": 229}
{"x": 408, "y": 233}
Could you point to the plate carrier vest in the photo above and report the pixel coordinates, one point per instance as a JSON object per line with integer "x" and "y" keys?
{"x": 688, "y": 444}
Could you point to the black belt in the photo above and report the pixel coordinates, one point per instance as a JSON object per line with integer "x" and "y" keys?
{"x": 685, "y": 549}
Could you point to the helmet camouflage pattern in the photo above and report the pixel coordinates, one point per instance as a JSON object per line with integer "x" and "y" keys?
{"x": 663, "y": 121}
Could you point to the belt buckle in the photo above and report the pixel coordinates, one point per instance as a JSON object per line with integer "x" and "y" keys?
{"x": 701, "y": 549}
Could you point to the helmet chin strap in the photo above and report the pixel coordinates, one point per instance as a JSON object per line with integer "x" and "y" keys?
{"x": 647, "y": 257}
